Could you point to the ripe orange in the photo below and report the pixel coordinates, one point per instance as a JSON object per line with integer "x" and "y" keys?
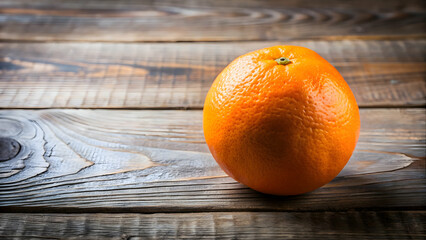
{"x": 281, "y": 120}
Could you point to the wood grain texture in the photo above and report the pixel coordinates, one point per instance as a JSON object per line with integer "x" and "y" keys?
{"x": 219, "y": 20}
{"x": 157, "y": 161}
{"x": 220, "y": 225}
{"x": 102, "y": 75}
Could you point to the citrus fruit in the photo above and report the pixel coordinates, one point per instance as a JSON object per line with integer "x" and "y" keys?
{"x": 281, "y": 120}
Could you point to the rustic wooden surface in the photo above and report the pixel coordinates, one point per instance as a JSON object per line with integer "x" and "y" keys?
{"x": 206, "y": 20}
{"x": 155, "y": 75}
{"x": 110, "y": 171}
{"x": 222, "y": 225}
{"x": 88, "y": 160}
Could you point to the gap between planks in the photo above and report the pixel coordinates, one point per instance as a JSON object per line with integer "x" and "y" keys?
{"x": 171, "y": 210}
{"x": 313, "y": 38}
{"x": 187, "y": 108}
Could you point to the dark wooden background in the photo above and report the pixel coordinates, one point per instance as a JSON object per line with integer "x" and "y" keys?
{"x": 101, "y": 110}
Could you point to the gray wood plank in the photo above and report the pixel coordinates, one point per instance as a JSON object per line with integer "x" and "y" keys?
{"x": 219, "y": 20}
{"x": 178, "y": 75}
{"x": 219, "y": 225}
{"x": 157, "y": 161}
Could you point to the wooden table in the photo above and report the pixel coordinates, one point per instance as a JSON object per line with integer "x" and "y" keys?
{"x": 101, "y": 134}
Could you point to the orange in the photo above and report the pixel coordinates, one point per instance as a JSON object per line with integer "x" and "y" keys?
{"x": 281, "y": 120}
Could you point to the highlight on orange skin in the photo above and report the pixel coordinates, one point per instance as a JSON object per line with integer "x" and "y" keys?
{"x": 281, "y": 120}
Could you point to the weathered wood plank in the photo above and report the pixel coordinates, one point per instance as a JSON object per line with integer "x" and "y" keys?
{"x": 220, "y": 225}
{"x": 157, "y": 161}
{"x": 219, "y": 20}
{"x": 101, "y": 75}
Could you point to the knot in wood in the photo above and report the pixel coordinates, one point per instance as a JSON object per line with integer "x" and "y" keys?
{"x": 9, "y": 148}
